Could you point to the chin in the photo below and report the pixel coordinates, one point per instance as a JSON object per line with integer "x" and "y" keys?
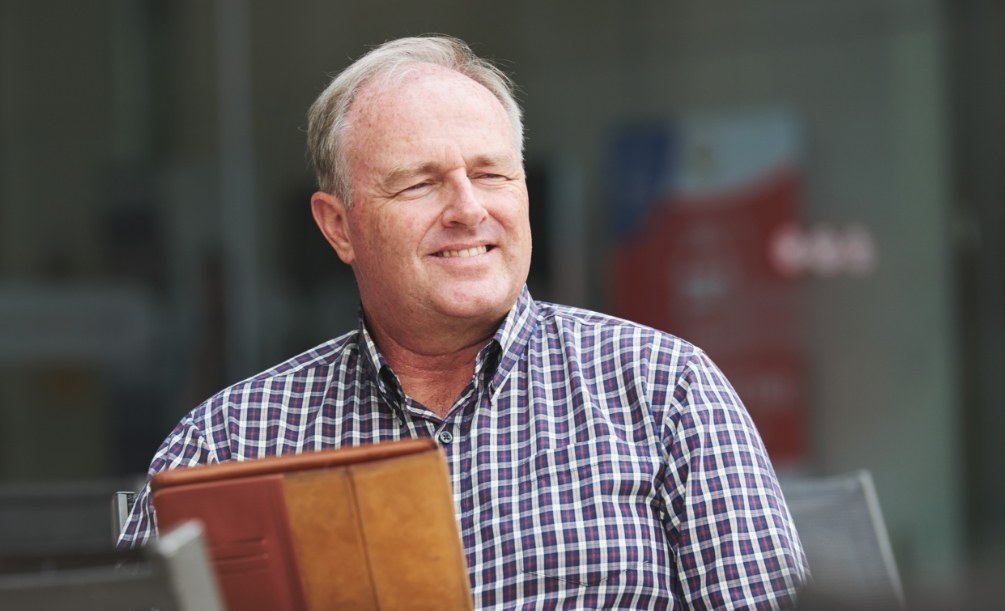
{"x": 477, "y": 305}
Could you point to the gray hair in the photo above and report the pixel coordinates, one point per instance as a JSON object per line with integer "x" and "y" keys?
{"x": 327, "y": 119}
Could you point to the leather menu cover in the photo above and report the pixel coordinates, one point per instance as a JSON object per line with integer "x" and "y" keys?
{"x": 367, "y": 527}
{"x": 248, "y": 535}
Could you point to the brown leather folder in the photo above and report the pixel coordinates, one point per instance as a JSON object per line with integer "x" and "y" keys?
{"x": 367, "y": 527}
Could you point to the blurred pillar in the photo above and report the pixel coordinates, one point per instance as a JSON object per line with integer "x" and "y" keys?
{"x": 978, "y": 51}
{"x": 238, "y": 207}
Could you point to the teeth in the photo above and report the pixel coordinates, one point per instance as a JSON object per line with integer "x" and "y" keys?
{"x": 467, "y": 252}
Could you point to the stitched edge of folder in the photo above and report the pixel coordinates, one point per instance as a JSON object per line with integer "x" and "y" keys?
{"x": 362, "y": 534}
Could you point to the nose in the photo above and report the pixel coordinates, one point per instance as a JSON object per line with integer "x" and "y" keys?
{"x": 463, "y": 207}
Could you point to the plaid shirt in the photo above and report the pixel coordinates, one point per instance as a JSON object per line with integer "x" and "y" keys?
{"x": 595, "y": 463}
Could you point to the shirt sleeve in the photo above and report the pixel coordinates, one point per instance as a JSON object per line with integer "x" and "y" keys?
{"x": 186, "y": 446}
{"x": 736, "y": 544}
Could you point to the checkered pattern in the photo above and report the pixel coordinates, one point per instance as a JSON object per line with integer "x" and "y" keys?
{"x": 596, "y": 463}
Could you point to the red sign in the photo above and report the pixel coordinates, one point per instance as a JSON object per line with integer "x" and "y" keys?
{"x": 695, "y": 260}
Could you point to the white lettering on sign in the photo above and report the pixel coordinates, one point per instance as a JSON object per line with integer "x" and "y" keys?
{"x": 823, "y": 250}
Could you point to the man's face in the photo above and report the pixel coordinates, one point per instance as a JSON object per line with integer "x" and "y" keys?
{"x": 438, "y": 230}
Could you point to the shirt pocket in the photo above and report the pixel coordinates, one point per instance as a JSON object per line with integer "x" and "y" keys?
{"x": 584, "y": 515}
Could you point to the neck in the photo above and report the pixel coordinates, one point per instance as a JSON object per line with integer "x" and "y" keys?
{"x": 432, "y": 370}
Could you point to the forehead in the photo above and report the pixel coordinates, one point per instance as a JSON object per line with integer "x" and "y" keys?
{"x": 425, "y": 106}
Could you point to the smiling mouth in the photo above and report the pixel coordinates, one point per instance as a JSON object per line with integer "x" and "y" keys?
{"x": 466, "y": 252}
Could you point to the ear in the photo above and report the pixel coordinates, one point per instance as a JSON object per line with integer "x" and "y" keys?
{"x": 332, "y": 218}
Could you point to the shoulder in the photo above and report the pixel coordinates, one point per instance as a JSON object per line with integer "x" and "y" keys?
{"x": 293, "y": 376}
{"x": 320, "y": 357}
{"x": 672, "y": 369}
{"x": 615, "y": 337}
{"x": 625, "y": 354}
{"x": 285, "y": 393}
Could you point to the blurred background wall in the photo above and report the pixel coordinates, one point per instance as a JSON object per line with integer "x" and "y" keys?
{"x": 156, "y": 241}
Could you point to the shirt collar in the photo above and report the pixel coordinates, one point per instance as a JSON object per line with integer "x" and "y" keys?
{"x": 510, "y": 340}
{"x": 374, "y": 362}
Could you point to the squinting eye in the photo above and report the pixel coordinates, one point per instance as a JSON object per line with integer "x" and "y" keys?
{"x": 414, "y": 188}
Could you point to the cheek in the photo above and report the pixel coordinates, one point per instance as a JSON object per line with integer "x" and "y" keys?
{"x": 387, "y": 242}
{"x": 517, "y": 220}
{"x": 509, "y": 208}
{"x": 366, "y": 241}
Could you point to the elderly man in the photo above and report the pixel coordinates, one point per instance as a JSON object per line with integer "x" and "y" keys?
{"x": 596, "y": 463}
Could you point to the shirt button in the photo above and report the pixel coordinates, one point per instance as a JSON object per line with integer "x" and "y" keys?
{"x": 445, "y": 437}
